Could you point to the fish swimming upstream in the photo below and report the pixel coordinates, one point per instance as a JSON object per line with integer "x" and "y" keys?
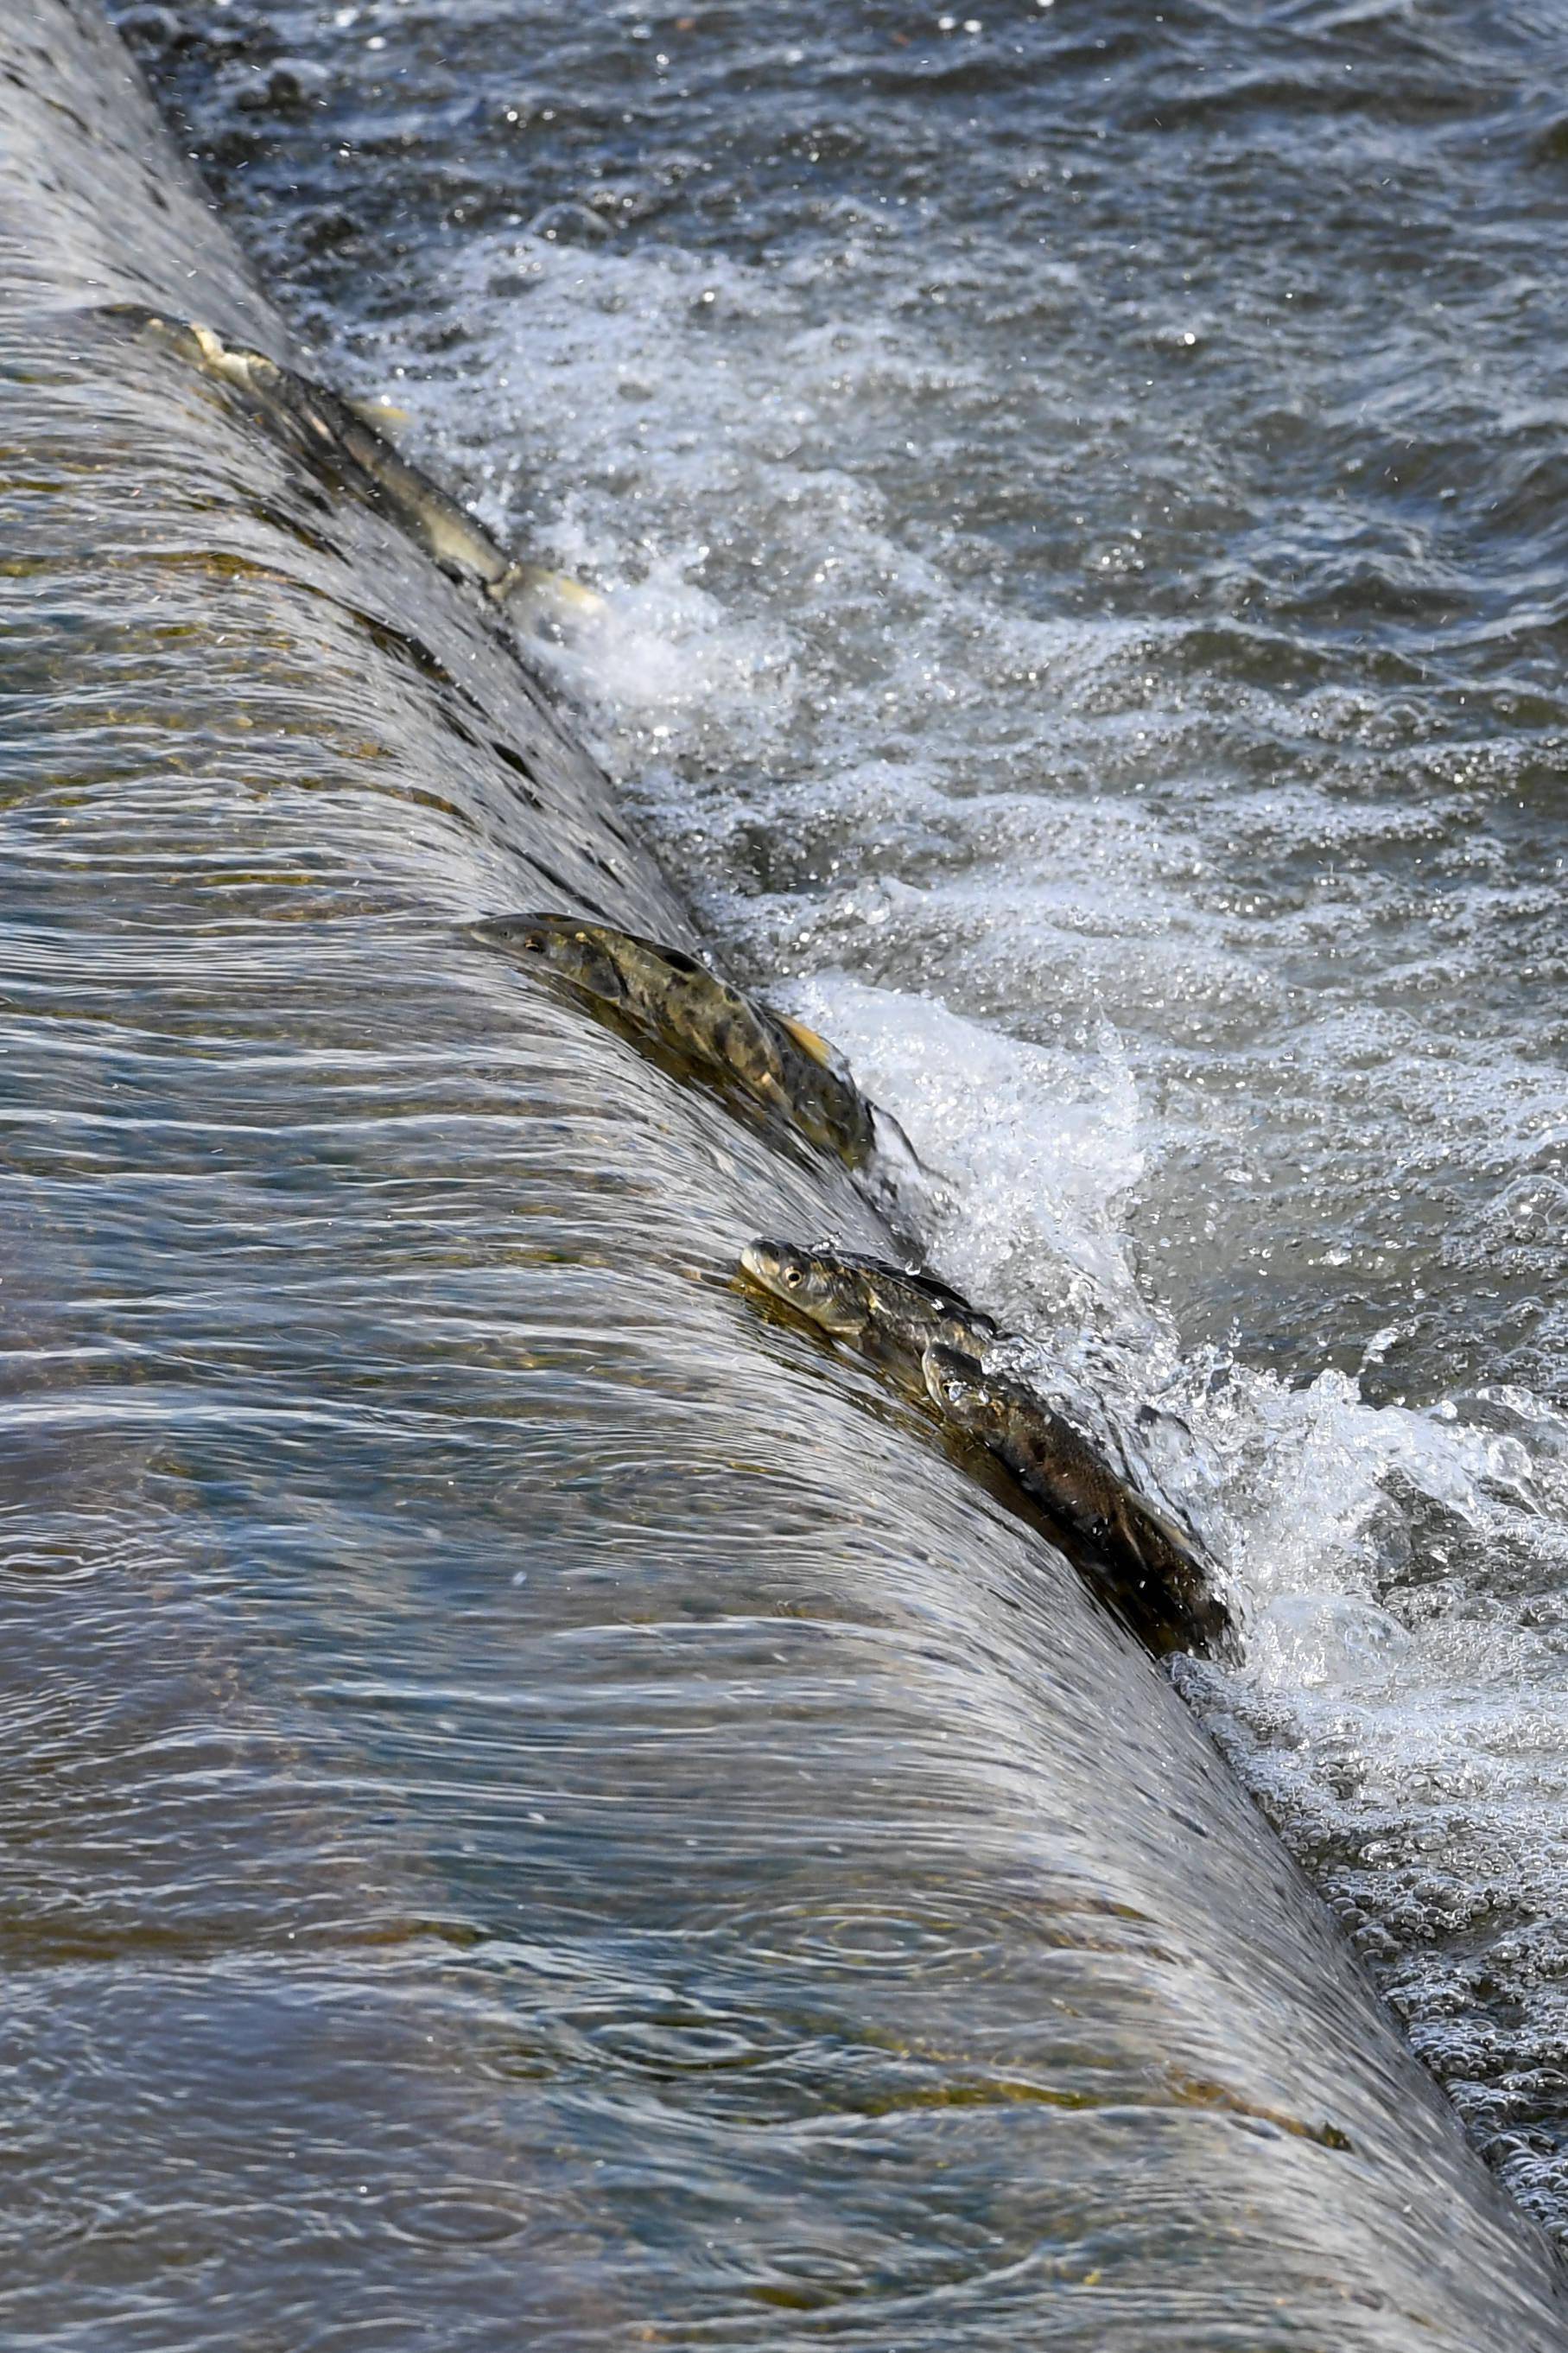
{"x": 344, "y": 439}
{"x": 891, "y": 1314}
{"x": 931, "y": 1340}
{"x": 680, "y": 1002}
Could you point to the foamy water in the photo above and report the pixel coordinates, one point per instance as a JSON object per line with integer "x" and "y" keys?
{"x": 877, "y": 745}
{"x": 1084, "y": 634}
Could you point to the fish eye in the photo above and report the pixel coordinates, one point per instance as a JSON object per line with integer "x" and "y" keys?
{"x": 792, "y": 1276}
{"x": 954, "y": 1392}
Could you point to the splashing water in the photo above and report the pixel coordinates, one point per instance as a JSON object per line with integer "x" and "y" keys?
{"x": 1086, "y": 631}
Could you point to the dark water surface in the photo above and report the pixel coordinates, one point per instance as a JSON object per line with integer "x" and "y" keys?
{"x": 543, "y": 1811}
{"x": 1083, "y": 488}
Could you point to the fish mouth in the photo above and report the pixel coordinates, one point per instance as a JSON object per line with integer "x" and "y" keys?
{"x": 774, "y": 1269}
{"x": 761, "y": 1262}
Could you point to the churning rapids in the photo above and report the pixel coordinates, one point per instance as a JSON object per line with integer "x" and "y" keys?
{"x": 1083, "y": 493}
{"x": 544, "y": 1808}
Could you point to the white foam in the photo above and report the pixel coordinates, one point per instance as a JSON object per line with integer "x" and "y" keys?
{"x": 888, "y": 783}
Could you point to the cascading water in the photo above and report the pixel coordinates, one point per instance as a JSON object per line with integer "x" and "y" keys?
{"x": 543, "y": 1803}
{"x": 1081, "y": 490}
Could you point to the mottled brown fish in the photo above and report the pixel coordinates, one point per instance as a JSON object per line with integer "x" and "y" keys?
{"x": 1156, "y": 1575}
{"x": 344, "y": 437}
{"x": 678, "y": 1001}
{"x": 887, "y": 1311}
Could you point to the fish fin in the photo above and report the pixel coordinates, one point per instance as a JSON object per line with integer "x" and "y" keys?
{"x": 811, "y": 1041}
{"x": 546, "y": 597}
{"x": 376, "y": 412}
{"x": 232, "y": 367}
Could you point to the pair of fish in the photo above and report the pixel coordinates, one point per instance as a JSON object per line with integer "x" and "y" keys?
{"x": 345, "y": 439}
{"x": 780, "y": 1065}
{"x": 932, "y": 1341}
{"x": 924, "y": 1333}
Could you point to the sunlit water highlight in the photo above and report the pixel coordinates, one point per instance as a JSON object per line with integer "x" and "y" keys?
{"x": 1081, "y": 494}
{"x": 540, "y": 1803}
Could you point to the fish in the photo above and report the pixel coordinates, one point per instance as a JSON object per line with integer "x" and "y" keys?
{"x": 1156, "y": 1575}
{"x": 344, "y": 437}
{"x": 680, "y": 1002}
{"x": 890, "y": 1314}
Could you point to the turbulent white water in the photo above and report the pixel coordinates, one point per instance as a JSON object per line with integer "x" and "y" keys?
{"x": 1082, "y": 505}
{"x": 878, "y": 777}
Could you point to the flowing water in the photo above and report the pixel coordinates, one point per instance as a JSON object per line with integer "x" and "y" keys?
{"x": 530, "y": 1824}
{"x": 1082, "y": 488}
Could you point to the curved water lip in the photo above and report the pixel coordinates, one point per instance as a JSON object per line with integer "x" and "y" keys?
{"x": 539, "y": 1805}
{"x": 1088, "y": 620}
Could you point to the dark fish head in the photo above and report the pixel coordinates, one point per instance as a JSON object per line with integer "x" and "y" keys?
{"x": 814, "y": 1282}
{"x": 589, "y": 955}
{"x": 960, "y": 1390}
